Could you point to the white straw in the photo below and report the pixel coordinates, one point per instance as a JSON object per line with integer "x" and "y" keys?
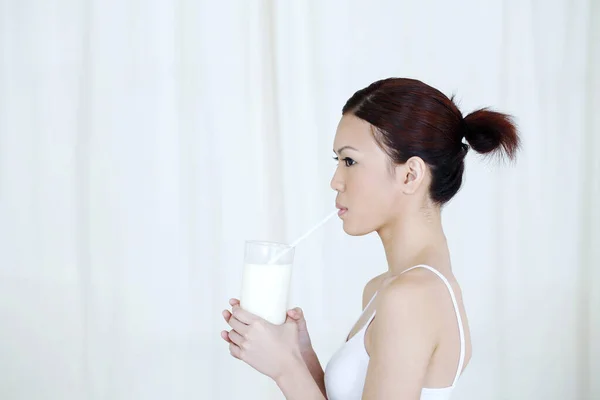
{"x": 301, "y": 238}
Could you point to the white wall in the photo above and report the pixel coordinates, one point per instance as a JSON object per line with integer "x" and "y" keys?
{"x": 142, "y": 142}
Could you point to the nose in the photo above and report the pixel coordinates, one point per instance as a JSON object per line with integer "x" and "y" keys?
{"x": 337, "y": 183}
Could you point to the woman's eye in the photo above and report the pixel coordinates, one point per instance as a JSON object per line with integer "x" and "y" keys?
{"x": 349, "y": 162}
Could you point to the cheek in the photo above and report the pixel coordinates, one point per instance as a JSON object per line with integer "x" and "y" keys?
{"x": 375, "y": 193}
{"x": 371, "y": 201}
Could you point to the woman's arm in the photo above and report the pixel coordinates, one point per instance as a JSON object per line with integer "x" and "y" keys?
{"x": 306, "y": 350}
{"x": 314, "y": 367}
{"x": 297, "y": 383}
{"x": 403, "y": 339}
{"x": 308, "y": 354}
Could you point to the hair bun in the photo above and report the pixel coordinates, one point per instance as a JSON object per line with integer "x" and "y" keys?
{"x": 492, "y": 132}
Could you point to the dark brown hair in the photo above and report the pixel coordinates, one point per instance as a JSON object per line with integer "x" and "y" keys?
{"x": 411, "y": 118}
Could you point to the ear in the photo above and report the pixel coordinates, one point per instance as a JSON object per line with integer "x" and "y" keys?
{"x": 413, "y": 174}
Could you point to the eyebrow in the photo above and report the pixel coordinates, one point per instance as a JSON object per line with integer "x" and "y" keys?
{"x": 344, "y": 148}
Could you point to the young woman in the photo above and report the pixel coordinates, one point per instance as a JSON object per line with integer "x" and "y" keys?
{"x": 400, "y": 146}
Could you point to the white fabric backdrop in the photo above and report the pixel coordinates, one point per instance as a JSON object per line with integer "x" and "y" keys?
{"x": 142, "y": 142}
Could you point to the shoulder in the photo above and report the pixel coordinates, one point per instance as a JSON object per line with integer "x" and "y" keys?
{"x": 410, "y": 298}
{"x": 404, "y": 334}
{"x": 371, "y": 287}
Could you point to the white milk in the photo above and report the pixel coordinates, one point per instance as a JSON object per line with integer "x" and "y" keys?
{"x": 265, "y": 291}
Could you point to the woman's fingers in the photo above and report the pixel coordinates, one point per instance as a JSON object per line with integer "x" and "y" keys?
{"x": 225, "y": 336}
{"x": 238, "y": 319}
{"x": 236, "y": 338}
{"x": 235, "y": 351}
{"x": 237, "y": 325}
{"x": 296, "y": 314}
{"x": 243, "y": 315}
{"x": 226, "y": 314}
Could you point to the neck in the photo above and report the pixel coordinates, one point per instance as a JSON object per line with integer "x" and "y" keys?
{"x": 415, "y": 238}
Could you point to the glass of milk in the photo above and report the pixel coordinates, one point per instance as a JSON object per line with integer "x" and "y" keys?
{"x": 266, "y": 280}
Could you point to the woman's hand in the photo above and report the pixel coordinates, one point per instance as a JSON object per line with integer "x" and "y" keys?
{"x": 303, "y": 337}
{"x": 296, "y": 314}
{"x": 268, "y": 348}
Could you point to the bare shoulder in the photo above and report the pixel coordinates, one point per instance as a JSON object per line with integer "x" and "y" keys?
{"x": 414, "y": 295}
{"x": 416, "y": 321}
{"x": 371, "y": 287}
{"x": 413, "y": 286}
{"x": 403, "y": 336}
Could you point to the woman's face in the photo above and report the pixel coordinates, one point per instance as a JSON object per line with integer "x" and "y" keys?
{"x": 369, "y": 194}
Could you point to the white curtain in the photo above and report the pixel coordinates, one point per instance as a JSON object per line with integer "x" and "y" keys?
{"x": 141, "y": 142}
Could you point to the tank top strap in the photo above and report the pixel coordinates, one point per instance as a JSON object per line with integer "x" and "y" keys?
{"x": 461, "y": 330}
{"x": 367, "y": 307}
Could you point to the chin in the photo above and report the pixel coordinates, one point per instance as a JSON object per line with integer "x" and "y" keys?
{"x": 355, "y": 230}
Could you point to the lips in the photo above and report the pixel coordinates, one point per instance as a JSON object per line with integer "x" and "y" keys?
{"x": 341, "y": 208}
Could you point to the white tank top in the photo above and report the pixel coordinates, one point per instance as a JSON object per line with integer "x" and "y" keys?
{"x": 346, "y": 372}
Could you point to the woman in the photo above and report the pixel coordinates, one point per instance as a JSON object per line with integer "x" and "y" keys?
{"x": 400, "y": 152}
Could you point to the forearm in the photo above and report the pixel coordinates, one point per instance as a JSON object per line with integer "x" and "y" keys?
{"x": 297, "y": 383}
{"x": 314, "y": 366}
